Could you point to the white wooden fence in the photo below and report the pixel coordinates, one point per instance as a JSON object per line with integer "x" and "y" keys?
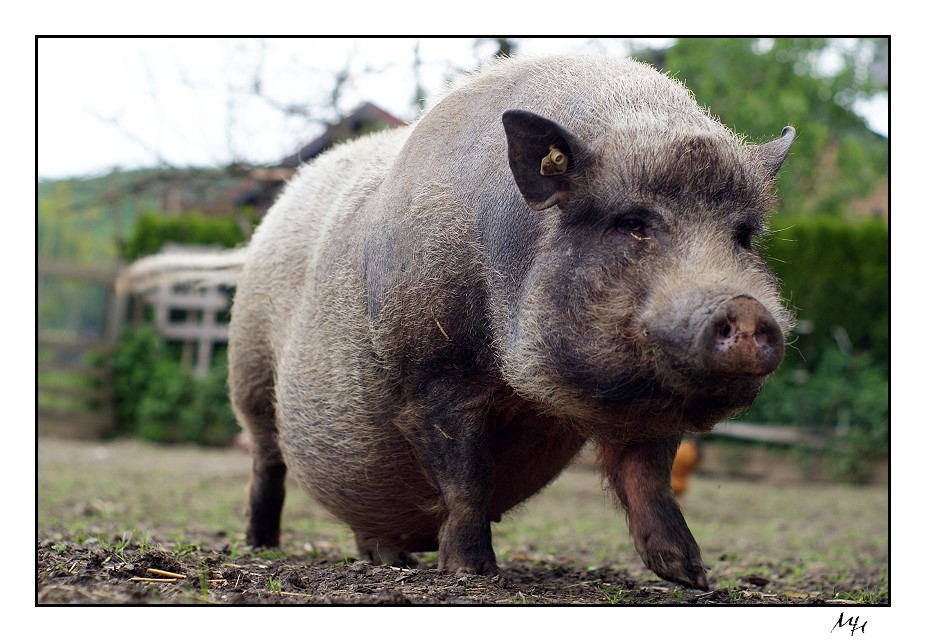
{"x": 201, "y": 328}
{"x": 194, "y": 315}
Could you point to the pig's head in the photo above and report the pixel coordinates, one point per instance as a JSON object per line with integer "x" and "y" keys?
{"x": 644, "y": 296}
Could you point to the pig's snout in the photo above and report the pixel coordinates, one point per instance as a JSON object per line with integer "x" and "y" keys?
{"x": 741, "y": 339}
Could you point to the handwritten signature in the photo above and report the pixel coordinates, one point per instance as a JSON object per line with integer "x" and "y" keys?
{"x": 852, "y": 623}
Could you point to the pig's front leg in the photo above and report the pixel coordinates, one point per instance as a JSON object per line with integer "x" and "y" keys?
{"x": 455, "y": 448}
{"x": 641, "y": 477}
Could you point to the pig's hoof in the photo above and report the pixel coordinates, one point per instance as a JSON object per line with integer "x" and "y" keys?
{"x": 675, "y": 567}
{"x": 472, "y": 567}
{"x": 262, "y": 538}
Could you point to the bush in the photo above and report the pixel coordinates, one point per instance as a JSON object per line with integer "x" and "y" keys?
{"x": 136, "y": 355}
{"x": 156, "y": 397}
{"x": 834, "y": 380}
{"x": 844, "y": 400}
{"x": 834, "y": 273}
{"x": 152, "y": 231}
{"x": 160, "y": 400}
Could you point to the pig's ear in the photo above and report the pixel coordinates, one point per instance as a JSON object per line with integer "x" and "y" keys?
{"x": 543, "y": 157}
{"x": 773, "y": 153}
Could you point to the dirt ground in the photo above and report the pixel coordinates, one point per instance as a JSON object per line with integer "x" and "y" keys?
{"x": 132, "y": 523}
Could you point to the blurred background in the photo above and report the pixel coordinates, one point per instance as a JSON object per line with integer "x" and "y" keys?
{"x": 144, "y": 144}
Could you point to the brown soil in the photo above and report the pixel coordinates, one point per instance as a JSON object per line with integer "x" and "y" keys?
{"x": 88, "y": 575}
{"x": 113, "y": 517}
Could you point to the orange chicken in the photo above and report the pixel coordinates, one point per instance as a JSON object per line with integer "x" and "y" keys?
{"x": 686, "y": 460}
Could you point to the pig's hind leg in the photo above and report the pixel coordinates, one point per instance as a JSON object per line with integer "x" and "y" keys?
{"x": 252, "y": 401}
{"x": 455, "y": 451}
{"x": 641, "y": 477}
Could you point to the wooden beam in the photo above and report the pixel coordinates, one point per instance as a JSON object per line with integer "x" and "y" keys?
{"x": 788, "y": 435}
{"x": 78, "y": 272}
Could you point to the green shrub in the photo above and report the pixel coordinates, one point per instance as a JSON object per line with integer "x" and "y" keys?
{"x": 844, "y": 401}
{"x": 834, "y": 380}
{"x": 156, "y": 397}
{"x": 160, "y": 409}
{"x": 151, "y": 231}
{"x": 209, "y": 418}
{"x": 834, "y": 273}
{"x": 160, "y": 400}
{"x": 137, "y": 353}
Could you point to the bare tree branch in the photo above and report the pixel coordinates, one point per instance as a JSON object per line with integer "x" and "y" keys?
{"x": 116, "y": 123}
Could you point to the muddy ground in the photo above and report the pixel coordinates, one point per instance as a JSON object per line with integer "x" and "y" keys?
{"x": 133, "y": 523}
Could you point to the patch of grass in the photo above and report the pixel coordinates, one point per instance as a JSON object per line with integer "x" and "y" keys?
{"x": 185, "y": 548}
{"x": 429, "y": 558}
{"x": 878, "y": 595}
{"x": 234, "y": 549}
{"x": 274, "y": 585}
{"x": 271, "y": 554}
{"x": 728, "y": 584}
{"x": 867, "y": 595}
{"x": 144, "y": 544}
{"x": 116, "y": 548}
{"x": 64, "y": 568}
{"x": 520, "y": 598}
{"x": 613, "y": 595}
{"x": 838, "y": 576}
{"x": 735, "y": 595}
{"x": 761, "y": 569}
{"x": 586, "y": 518}
{"x": 191, "y": 499}
{"x": 203, "y": 572}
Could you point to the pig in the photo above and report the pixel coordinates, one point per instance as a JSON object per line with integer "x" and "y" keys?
{"x": 432, "y": 321}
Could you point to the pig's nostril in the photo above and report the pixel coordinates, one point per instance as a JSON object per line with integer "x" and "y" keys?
{"x": 725, "y": 331}
{"x": 764, "y": 336}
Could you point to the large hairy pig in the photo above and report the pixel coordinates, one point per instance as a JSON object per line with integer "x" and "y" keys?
{"x": 432, "y": 321}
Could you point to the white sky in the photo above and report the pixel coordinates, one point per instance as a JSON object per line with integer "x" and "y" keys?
{"x": 104, "y": 103}
{"x": 128, "y": 102}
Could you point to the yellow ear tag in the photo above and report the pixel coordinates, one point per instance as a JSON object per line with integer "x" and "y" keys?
{"x": 553, "y": 163}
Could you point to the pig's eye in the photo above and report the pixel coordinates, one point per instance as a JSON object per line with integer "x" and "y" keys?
{"x": 631, "y": 224}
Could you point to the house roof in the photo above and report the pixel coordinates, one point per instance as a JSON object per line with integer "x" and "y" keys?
{"x": 266, "y": 182}
{"x": 366, "y": 118}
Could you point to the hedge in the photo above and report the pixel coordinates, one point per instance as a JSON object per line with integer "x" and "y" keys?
{"x": 835, "y": 379}
{"x": 835, "y": 274}
{"x": 159, "y": 399}
{"x": 151, "y": 231}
